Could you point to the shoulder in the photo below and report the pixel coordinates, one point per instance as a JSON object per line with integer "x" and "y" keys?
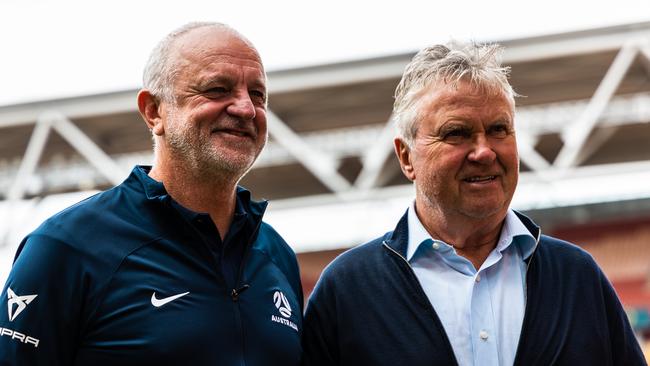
{"x": 117, "y": 219}
{"x": 364, "y": 270}
{"x": 276, "y": 249}
{"x": 564, "y": 252}
{"x": 95, "y": 233}
{"x": 86, "y": 216}
{"x": 563, "y": 262}
{"x": 362, "y": 260}
{"x": 68, "y": 229}
{"x": 271, "y": 242}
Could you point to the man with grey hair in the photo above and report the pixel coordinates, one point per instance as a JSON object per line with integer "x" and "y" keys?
{"x": 463, "y": 279}
{"x": 174, "y": 266}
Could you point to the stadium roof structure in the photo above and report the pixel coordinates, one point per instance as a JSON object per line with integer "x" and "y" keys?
{"x": 583, "y": 130}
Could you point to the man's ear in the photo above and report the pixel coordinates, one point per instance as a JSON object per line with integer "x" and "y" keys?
{"x": 148, "y": 105}
{"x": 404, "y": 155}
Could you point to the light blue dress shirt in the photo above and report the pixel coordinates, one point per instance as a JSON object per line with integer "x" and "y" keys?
{"x": 481, "y": 310}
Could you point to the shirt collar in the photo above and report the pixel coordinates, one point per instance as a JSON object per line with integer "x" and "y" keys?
{"x": 513, "y": 231}
{"x": 417, "y": 233}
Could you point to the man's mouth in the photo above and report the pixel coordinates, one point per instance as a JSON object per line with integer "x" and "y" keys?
{"x": 236, "y": 132}
{"x": 480, "y": 179}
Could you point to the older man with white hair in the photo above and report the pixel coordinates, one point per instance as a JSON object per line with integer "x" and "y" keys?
{"x": 463, "y": 279}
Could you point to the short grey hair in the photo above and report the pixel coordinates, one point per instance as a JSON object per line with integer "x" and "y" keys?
{"x": 160, "y": 70}
{"x": 480, "y": 64}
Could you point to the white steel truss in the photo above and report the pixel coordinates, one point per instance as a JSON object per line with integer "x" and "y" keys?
{"x": 47, "y": 122}
{"x": 576, "y": 134}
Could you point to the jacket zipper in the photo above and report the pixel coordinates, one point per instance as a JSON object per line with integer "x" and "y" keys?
{"x": 237, "y": 291}
{"x": 430, "y": 307}
{"x": 241, "y": 288}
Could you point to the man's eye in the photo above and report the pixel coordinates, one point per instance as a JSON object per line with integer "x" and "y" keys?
{"x": 500, "y": 130}
{"x": 257, "y": 95}
{"x": 456, "y": 135}
{"x": 215, "y": 92}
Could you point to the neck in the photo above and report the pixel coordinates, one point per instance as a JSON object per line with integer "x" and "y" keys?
{"x": 209, "y": 192}
{"x": 473, "y": 238}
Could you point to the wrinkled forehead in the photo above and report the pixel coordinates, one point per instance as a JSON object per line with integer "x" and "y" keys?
{"x": 464, "y": 85}
{"x": 462, "y": 92}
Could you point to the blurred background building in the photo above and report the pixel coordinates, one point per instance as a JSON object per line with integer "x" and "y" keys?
{"x": 583, "y": 127}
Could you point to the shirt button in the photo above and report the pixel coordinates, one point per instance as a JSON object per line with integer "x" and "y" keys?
{"x": 435, "y": 245}
{"x": 483, "y": 335}
{"x": 478, "y": 278}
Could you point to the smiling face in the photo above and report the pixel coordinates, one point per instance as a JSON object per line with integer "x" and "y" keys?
{"x": 217, "y": 120}
{"x": 464, "y": 157}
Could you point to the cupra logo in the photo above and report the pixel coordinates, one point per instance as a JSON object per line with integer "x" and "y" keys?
{"x": 282, "y": 304}
{"x": 21, "y": 303}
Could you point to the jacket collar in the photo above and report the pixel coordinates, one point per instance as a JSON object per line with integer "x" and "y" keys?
{"x": 254, "y": 208}
{"x": 534, "y": 229}
{"x": 155, "y": 190}
{"x": 398, "y": 239}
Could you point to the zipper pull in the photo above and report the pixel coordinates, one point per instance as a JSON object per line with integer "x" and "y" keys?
{"x": 236, "y": 292}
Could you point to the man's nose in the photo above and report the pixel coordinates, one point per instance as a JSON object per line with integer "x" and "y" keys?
{"x": 482, "y": 150}
{"x": 242, "y": 107}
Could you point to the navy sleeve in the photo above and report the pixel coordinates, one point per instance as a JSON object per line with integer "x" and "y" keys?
{"x": 320, "y": 326}
{"x": 42, "y": 303}
{"x": 625, "y": 347}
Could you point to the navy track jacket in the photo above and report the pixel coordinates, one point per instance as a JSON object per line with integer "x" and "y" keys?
{"x": 122, "y": 279}
{"x": 368, "y": 308}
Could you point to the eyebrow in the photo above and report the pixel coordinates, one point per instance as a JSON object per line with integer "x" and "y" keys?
{"x": 218, "y": 79}
{"x": 224, "y": 79}
{"x": 258, "y": 83}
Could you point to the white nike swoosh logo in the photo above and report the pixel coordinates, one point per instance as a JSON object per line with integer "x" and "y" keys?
{"x": 160, "y": 302}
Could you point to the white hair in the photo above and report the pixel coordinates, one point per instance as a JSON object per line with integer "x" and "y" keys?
{"x": 448, "y": 64}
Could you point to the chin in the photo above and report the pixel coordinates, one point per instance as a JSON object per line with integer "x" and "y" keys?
{"x": 235, "y": 167}
{"x": 231, "y": 160}
{"x": 486, "y": 211}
